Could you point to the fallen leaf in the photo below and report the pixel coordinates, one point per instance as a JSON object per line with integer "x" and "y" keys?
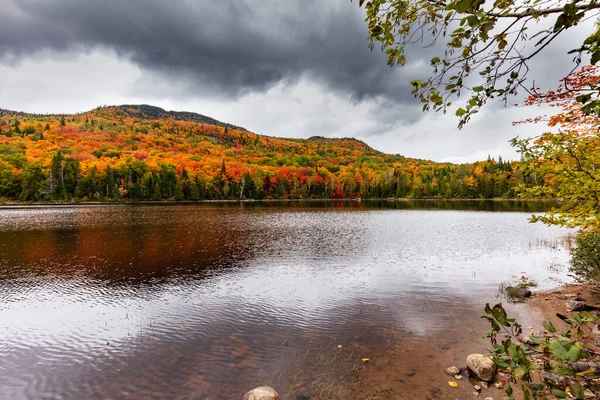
{"x": 366, "y": 360}
{"x": 452, "y": 383}
{"x": 339, "y": 346}
{"x": 458, "y": 377}
{"x": 529, "y": 326}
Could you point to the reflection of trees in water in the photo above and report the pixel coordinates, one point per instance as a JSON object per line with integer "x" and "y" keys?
{"x": 143, "y": 246}
{"x": 408, "y": 204}
{"x": 133, "y": 245}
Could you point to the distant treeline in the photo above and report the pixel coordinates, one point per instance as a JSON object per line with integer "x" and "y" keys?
{"x": 65, "y": 180}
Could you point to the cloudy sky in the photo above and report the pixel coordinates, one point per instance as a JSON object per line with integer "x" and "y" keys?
{"x": 293, "y": 68}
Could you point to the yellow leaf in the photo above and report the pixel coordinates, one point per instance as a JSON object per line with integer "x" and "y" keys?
{"x": 339, "y": 346}
{"x": 529, "y": 327}
{"x": 452, "y": 383}
{"x": 366, "y": 360}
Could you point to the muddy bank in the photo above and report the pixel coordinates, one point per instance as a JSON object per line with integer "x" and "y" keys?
{"x": 545, "y": 305}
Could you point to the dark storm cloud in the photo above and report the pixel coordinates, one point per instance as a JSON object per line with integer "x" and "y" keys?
{"x": 227, "y": 47}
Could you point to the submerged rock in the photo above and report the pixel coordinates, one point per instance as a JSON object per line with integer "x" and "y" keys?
{"x": 482, "y": 366}
{"x": 262, "y": 393}
{"x": 518, "y": 291}
{"x": 452, "y": 371}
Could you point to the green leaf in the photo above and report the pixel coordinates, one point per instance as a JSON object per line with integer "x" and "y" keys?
{"x": 584, "y": 98}
{"x": 487, "y": 309}
{"x": 560, "y": 394}
{"x": 565, "y": 350}
{"x": 537, "y": 386}
{"x": 519, "y": 372}
{"x": 564, "y": 371}
{"x": 577, "y": 391}
{"x": 478, "y": 89}
{"x": 538, "y": 341}
{"x": 549, "y": 327}
{"x": 377, "y": 30}
{"x": 435, "y": 60}
{"x": 495, "y": 326}
{"x": 460, "y": 112}
{"x": 462, "y": 6}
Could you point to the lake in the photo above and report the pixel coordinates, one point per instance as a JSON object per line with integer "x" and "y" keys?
{"x": 207, "y": 301}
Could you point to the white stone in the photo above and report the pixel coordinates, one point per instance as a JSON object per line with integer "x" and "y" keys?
{"x": 262, "y": 393}
{"x": 452, "y": 371}
{"x": 482, "y": 366}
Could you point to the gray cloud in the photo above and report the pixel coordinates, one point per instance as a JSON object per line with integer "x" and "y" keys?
{"x": 229, "y": 47}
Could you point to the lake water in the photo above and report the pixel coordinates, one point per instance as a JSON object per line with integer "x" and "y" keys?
{"x": 210, "y": 300}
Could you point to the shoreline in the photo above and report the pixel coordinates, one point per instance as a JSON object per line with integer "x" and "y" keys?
{"x": 10, "y": 204}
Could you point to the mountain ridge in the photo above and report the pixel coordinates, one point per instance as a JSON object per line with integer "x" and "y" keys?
{"x": 147, "y": 111}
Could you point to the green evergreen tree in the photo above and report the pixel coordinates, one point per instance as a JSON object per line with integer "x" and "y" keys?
{"x": 179, "y": 196}
{"x": 195, "y": 191}
{"x": 156, "y": 194}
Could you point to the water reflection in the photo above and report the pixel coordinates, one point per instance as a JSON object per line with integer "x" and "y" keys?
{"x": 213, "y": 299}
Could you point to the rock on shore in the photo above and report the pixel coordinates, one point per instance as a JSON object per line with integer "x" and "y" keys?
{"x": 482, "y": 366}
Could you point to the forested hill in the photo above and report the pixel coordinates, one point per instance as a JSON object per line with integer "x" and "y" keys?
{"x": 141, "y": 152}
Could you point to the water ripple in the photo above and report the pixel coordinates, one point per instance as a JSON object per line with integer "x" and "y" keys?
{"x": 150, "y": 302}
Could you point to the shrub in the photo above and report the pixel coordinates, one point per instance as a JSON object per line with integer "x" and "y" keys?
{"x": 585, "y": 260}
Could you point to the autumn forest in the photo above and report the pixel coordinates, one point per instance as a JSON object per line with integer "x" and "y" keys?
{"x": 139, "y": 152}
